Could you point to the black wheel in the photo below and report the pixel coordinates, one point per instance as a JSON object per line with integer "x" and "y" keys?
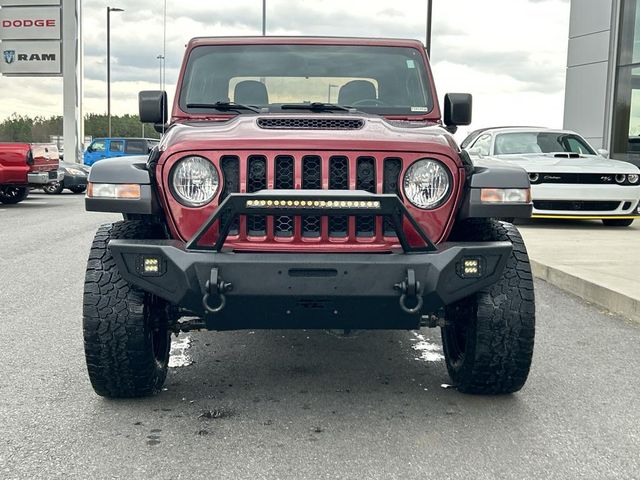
{"x": 13, "y": 195}
{"x": 54, "y": 188}
{"x": 488, "y": 339}
{"x": 78, "y": 189}
{"x": 617, "y": 222}
{"x": 126, "y": 339}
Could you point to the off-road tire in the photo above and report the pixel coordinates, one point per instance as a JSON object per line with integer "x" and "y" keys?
{"x": 53, "y": 188}
{"x": 488, "y": 338}
{"x": 619, "y": 222}
{"x": 13, "y": 195}
{"x": 126, "y": 339}
{"x": 78, "y": 189}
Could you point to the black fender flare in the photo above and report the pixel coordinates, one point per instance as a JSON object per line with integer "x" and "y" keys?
{"x": 124, "y": 170}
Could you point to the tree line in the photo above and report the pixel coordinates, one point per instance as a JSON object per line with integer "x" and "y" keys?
{"x": 21, "y": 128}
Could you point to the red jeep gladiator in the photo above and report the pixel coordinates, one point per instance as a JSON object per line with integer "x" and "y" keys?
{"x": 23, "y": 165}
{"x": 307, "y": 183}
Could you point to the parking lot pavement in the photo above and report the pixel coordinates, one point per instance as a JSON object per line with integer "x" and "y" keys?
{"x": 304, "y": 404}
{"x": 595, "y": 262}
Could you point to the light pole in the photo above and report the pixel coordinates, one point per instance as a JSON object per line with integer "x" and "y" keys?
{"x": 428, "y": 32}
{"x": 161, "y": 61}
{"x": 264, "y": 18}
{"x": 109, "y": 10}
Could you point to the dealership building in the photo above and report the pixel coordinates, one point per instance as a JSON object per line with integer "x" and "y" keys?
{"x": 602, "y": 100}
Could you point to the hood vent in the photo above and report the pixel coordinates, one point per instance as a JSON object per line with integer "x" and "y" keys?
{"x": 566, "y": 155}
{"x": 310, "y": 123}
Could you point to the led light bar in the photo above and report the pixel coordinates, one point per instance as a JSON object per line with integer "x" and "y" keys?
{"x": 292, "y": 203}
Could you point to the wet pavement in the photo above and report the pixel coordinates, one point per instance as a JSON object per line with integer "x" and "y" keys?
{"x": 296, "y": 404}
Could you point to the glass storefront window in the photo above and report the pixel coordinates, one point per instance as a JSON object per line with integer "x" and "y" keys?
{"x": 626, "y": 116}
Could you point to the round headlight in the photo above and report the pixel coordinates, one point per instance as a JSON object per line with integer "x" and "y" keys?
{"x": 633, "y": 178}
{"x": 534, "y": 177}
{"x": 194, "y": 181}
{"x": 620, "y": 178}
{"x": 427, "y": 184}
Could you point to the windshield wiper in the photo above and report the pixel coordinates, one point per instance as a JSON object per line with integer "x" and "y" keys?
{"x": 318, "y": 107}
{"x": 223, "y": 106}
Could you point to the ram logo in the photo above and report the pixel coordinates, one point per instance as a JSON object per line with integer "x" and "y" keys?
{"x": 9, "y": 56}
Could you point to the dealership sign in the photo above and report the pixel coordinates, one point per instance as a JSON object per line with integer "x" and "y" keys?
{"x": 23, "y": 58}
{"x": 29, "y": 23}
{"x": 31, "y": 3}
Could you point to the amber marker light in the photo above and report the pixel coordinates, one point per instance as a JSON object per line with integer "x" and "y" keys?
{"x": 505, "y": 195}
{"x": 129, "y": 191}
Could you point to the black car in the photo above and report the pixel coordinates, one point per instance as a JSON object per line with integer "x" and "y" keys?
{"x": 75, "y": 179}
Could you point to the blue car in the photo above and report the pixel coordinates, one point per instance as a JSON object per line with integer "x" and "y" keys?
{"x": 102, "y": 148}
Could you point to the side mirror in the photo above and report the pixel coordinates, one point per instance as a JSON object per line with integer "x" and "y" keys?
{"x": 89, "y": 149}
{"x": 603, "y": 152}
{"x": 153, "y": 106}
{"x": 457, "y": 110}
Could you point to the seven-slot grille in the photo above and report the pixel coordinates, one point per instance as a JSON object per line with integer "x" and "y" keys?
{"x": 313, "y": 172}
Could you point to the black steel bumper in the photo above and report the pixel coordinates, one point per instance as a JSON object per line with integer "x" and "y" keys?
{"x": 308, "y": 290}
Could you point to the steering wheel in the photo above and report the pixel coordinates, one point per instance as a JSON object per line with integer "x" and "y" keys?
{"x": 368, "y": 101}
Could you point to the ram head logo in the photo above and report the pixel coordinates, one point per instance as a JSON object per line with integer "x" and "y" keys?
{"x": 9, "y": 56}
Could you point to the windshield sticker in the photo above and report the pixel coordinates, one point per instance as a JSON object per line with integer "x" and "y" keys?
{"x": 411, "y": 64}
{"x": 419, "y": 109}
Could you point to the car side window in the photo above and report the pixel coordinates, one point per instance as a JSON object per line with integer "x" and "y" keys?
{"x": 137, "y": 146}
{"x": 483, "y": 145}
{"x": 576, "y": 146}
{"x": 98, "y": 146}
{"x": 116, "y": 146}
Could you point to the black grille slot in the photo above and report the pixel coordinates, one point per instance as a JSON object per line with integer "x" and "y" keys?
{"x": 284, "y": 168}
{"x": 311, "y": 180}
{"x": 391, "y": 184}
{"x": 338, "y": 180}
{"x": 310, "y": 123}
{"x": 366, "y": 180}
{"x": 578, "y": 206}
{"x": 230, "y": 166}
{"x": 256, "y": 180}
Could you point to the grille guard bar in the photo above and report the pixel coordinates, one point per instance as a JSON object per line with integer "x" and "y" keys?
{"x": 321, "y": 203}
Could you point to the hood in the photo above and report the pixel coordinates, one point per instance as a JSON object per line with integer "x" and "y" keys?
{"x": 309, "y": 132}
{"x": 547, "y": 163}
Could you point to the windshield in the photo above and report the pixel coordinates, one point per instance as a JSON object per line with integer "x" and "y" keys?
{"x": 383, "y": 80}
{"x": 540, "y": 142}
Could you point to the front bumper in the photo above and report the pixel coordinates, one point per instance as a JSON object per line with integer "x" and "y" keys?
{"x": 75, "y": 181}
{"x": 625, "y": 198}
{"x": 44, "y": 178}
{"x": 310, "y": 290}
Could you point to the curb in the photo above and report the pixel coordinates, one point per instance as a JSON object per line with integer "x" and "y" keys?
{"x": 604, "y": 297}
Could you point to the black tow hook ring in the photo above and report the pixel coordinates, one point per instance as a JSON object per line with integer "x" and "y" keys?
{"x": 410, "y": 288}
{"x": 216, "y": 286}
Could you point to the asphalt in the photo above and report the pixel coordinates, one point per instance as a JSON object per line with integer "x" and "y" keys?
{"x": 296, "y": 405}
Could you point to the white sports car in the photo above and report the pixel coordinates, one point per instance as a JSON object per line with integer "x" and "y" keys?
{"x": 569, "y": 179}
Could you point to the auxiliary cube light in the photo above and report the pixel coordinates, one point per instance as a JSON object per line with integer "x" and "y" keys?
{"x": 470, "y": 268}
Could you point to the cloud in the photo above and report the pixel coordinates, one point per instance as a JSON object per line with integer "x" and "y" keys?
{"x": 497, "y": 50}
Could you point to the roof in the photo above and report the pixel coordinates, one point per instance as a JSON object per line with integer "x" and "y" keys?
{"x": 300, "y": 40}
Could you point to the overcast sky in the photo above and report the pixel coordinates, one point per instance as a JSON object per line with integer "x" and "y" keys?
{"x": 510, "y": 54}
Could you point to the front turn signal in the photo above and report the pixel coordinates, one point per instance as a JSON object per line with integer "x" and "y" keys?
{"x": 505, "y": 195}
{"x": 130, "y": 191}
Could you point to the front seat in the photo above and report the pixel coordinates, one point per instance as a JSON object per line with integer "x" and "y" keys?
{"x": 251, "y": 92}
{"x": 356, "y": 91}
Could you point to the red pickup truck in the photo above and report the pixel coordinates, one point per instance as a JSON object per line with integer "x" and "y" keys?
{"x": 23, "y": 165}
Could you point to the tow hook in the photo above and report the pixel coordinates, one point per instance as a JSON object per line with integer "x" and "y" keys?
{"x": 411, "y": 289}
{"x": 216, "y": 286}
